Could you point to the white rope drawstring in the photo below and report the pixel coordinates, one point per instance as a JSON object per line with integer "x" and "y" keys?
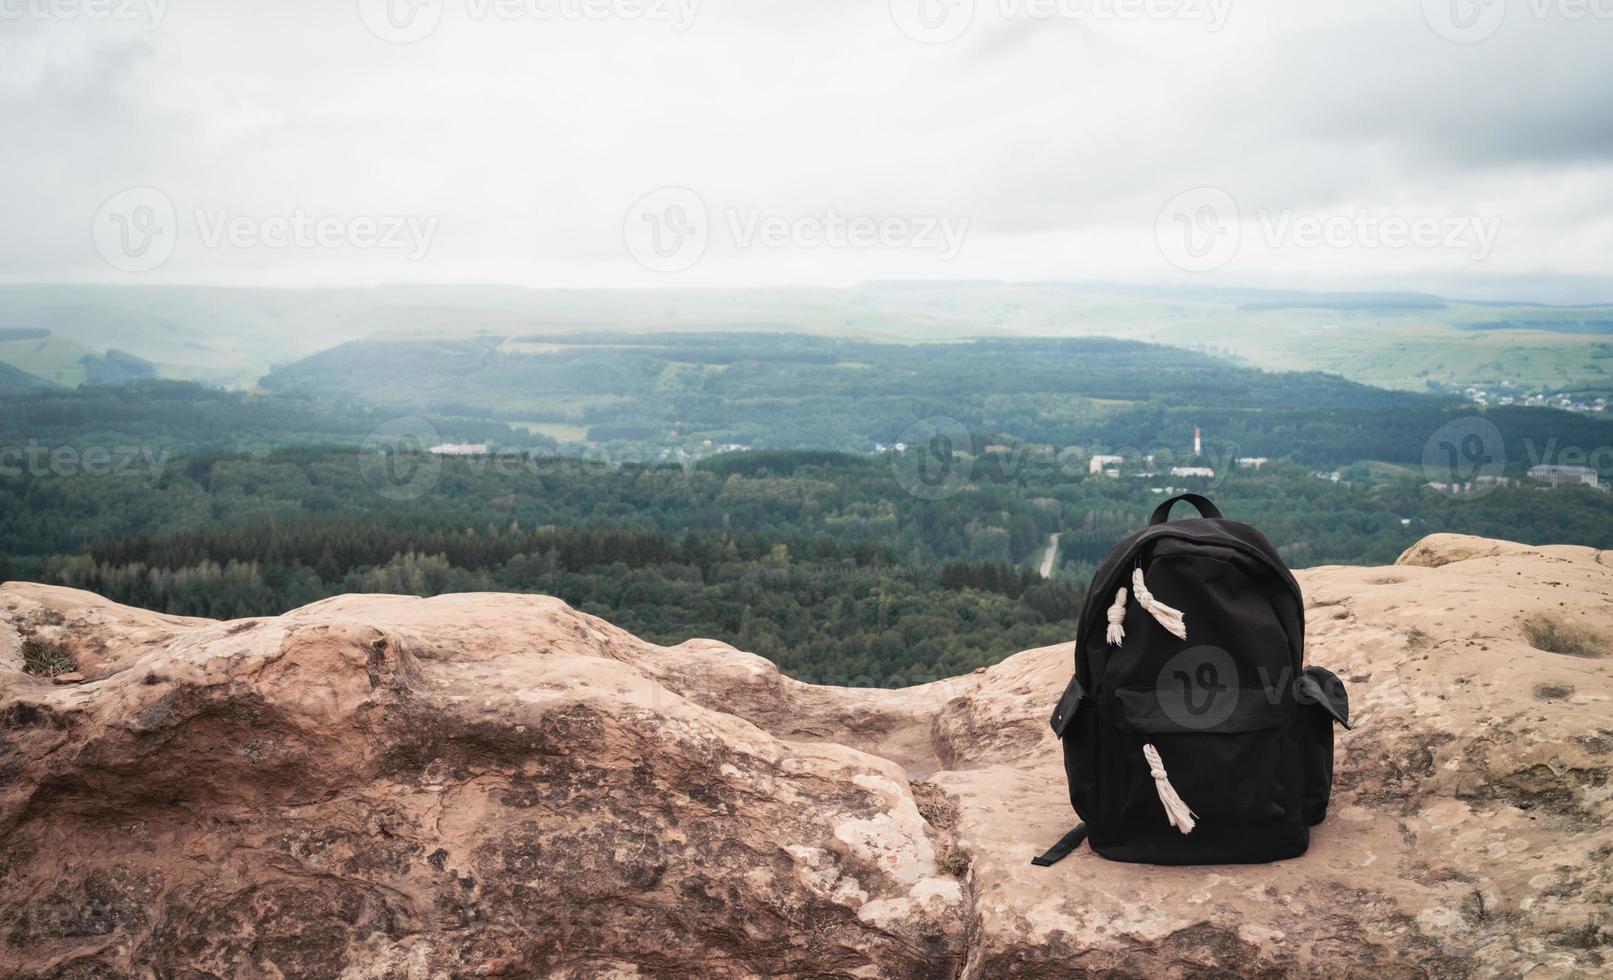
{"x": 1117, "y": 616}
{"x": 1178, "y": 813}
{"x": 1165, "y": 615}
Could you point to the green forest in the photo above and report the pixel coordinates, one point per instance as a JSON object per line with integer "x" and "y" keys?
{"x": 844, "y": 560}
{"x": 822, "y": 561}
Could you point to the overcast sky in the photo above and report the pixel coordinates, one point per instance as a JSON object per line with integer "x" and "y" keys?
{"x": 1438, "y": 145}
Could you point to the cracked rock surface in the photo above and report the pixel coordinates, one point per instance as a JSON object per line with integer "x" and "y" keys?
{"x": 499, "y": 785}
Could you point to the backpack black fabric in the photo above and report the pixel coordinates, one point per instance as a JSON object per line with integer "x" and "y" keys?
{"x": 1241, "y": 729}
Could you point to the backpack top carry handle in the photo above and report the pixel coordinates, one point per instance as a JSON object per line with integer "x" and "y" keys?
{"x": 1163, "y": 512}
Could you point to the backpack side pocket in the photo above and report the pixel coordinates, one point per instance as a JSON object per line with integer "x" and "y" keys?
{"x": 1323, "y": 701}
{"x": 1076, "y": 724}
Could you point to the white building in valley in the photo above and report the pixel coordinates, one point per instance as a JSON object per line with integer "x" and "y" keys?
{"x": 459, "y": 449}
{"x": 1106, "y": 465}
{"x": 1559, "y": 475}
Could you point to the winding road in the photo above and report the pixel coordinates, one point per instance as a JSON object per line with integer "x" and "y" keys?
{"x": 1052, "y": 553}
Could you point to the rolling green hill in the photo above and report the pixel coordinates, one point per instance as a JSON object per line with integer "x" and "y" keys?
{"x": 59, "y": 361}
{"x": 681, "y": 392}
{"x": 1404, "y": 341}
{"x": 13, "y": 380}
{"x": 184, "y": 418}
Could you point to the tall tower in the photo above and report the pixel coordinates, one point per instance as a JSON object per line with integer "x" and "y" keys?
{"x": 1198, "y": 444}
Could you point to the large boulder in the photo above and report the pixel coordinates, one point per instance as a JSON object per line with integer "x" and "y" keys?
{"x": 498, "y": 785}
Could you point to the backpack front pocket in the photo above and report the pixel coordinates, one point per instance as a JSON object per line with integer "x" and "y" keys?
{"x": 1226, "y": 766}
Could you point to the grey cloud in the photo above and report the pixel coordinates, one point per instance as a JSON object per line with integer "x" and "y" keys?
{"x": 1060, "y": 141}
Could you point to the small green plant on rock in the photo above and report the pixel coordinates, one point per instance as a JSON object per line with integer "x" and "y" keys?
{"x": 940, "y": 812}
{"x": 952, "y": 861}
{"x": 46, "y": 657}
{"x": 934, "y": 805}
{"x": 1555, "y": 635}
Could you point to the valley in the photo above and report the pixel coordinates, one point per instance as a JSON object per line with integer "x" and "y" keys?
{"x": 795, "y": 472}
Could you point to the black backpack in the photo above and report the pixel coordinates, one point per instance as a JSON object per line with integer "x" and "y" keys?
{"x": 1192, "y": 731}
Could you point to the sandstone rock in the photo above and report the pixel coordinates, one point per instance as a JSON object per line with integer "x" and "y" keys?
{"x": 1442, "y": 549}
{"x": 494, "y": 785}
{"x": 73, "y": 677}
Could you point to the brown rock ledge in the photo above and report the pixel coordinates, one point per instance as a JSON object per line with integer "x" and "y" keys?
{"x": 383, "y": 786}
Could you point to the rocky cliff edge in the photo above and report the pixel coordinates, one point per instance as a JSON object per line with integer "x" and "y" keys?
{"x": 499, "y": 785}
